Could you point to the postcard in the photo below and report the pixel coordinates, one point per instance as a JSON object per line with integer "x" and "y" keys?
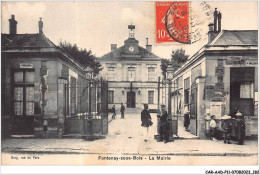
{"x": 130, "y": 83}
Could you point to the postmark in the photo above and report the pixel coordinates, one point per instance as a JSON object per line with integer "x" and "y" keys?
{"x": 182, "y": 22}
{"x": 177, "y": 22}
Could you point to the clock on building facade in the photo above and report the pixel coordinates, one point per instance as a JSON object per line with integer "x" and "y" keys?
{"x": 131, "y": 48}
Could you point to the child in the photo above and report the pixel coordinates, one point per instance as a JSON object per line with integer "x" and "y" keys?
{"x": 213, "y": 128}
{"x": 227, "y": 128}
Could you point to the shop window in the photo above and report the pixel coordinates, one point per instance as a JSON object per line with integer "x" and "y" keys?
{"x": 111, "y": 74}
{"x": 24, "y": 92}
{"x": 151, "y": 97}
{"x": 242, "y": 90}
{"x": 151, "y": 73}
{"x": 246, "y": 90}
{"x": 110, "y": 97}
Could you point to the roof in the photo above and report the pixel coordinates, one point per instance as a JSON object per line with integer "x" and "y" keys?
{"x": 226, "y": 41}
{"x": 116, "y": 55}
{"x": 236, "y": 37}
{"x": 26, "y": 40}
{"x": 33, "y": 43}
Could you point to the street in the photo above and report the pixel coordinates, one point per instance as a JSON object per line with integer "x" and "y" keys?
{"x": 124, "y": 145}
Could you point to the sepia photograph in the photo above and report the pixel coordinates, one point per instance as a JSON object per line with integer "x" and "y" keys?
{"x": 130, "y": 83}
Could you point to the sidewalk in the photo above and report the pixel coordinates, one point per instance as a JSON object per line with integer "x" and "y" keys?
{"x": 125, "y": 138}
{"x": 129, "y": 145}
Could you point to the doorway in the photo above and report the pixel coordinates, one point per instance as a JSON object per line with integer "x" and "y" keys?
{"x": 242, "y": 90}
{"x": 193, "y": 109}
{"x": 131, "y": 99}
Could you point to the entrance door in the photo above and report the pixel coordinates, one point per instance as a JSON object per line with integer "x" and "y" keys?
{"x": 193, "y": 109}
{"x": 131, "y": 99}
{"x": 242, "y": 90}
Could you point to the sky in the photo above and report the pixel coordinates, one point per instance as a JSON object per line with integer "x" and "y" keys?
{"x": 96, "y": 25}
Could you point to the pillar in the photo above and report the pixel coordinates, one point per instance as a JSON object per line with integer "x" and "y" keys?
{"x": 61, "y": 106}
{"x": 201, "y": 108}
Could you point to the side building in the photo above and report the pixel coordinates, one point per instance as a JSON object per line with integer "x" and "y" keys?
{"x": 132, "y": 72}
{"x": 41, "y": 85}
{"x": 219, "y": 79}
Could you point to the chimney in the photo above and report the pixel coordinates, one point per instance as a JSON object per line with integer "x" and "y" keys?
{"x": 12, "y": 25}
{"x": 113, "y": 47}
{"x": 211, "y": 34}
{"x": 215, "y": 19}
{"x": 148, "y": 47}
{"x": 214, "y": 28}
{"x": 219, "y": 22}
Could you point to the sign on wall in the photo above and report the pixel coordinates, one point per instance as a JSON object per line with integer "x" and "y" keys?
{"x": 26, "y": 65}
{"x": 231, "y": 60}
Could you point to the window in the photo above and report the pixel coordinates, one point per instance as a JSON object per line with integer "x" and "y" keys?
{"x": 73, "y": 93}
{"x": 24, "y": 92}
{"x": 246, "y": 90}
{"x": 150, "y": 97}
{"x": 151, "y": 73}
{"x": 131, "y": 73}
{"x": 110, "y": 96}
{"x": 111, "y": 74}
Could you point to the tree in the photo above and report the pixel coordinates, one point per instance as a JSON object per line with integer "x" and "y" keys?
{"x": 82, "y": 56}
{"x": 164, "y": 65}
{"x": 178, "y": 58}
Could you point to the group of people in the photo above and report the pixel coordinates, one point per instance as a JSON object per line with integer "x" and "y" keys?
{"x": 228, "y": 124}
{"x": 122, "y": 111}
{"x": 147, "y": 122}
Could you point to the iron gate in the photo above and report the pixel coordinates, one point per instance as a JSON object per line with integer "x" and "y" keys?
{"x": 86, "y": 100}
{"x": 166, "y": 88}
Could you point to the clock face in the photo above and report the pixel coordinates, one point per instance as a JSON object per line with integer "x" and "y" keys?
{"x": 131, "y": 48}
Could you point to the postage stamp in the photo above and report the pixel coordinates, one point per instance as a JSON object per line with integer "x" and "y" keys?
{"x": 172, "y": 22}
{"x": 181, "y": 22}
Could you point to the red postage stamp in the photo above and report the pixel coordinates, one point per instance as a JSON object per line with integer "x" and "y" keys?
{"x": 172, "y": 22}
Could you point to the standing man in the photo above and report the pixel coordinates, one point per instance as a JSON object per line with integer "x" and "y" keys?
{"x": 164, "y": 129}
{"x": 146, "y": 121}
{"x": 122, "y": 110}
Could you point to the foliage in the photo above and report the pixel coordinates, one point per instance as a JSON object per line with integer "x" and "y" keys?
{"x": 164, "y": 65}
{"x": 178, "y": 58}
{"x": 82, "y": 56}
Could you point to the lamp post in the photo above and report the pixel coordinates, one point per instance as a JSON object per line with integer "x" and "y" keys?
{"x": 88, "y": 122}
{"x": 169, "y": 76}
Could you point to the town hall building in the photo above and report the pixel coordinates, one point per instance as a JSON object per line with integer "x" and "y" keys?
{"x": 132, "y": 72}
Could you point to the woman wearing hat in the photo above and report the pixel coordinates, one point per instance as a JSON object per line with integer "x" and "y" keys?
{"x": 240, "y": 127}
